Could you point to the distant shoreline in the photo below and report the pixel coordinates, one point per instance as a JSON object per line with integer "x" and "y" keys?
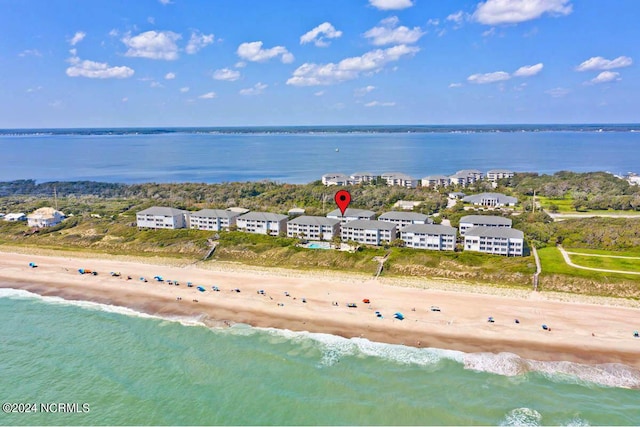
{"x": 329, "y": 129}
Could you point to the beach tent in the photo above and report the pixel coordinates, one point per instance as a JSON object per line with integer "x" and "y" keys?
{"x": 399, "y": 316}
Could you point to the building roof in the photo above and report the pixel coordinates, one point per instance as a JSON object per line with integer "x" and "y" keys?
{"x": 362, "y": 174}
{"x": 238, "y": 210}
{"x": 407, "y": 216}
{"x": 397, "y": 175}
{"x": 314, "y": 220}
{"x": 263, "y": 216}
{"x": 14, "y": 215}
{"x": 507, "y": 233}
{"x": 500, "y": 171}
{"x": 215, "y": 213}
{"x": 469, "y": 172}
{"x": 295, "y": 211}
{"x": 352, "y": 212}
{"x": 365, "y": 224}
{"x": 501, "y": 198}
{"x": 45, "y": 213}
{"x": 486, "y": 219}
{"x": 429, "y": 229}
{"x": 162, "y": 211}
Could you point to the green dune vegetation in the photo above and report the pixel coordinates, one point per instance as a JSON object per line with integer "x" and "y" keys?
{"x": 101, "y": 219}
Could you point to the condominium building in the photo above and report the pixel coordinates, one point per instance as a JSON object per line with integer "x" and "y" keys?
{"x": 491, "y": 240}
{"x": 399, "y": 179}
{"x": 435, "y": 181}
{"x": 313, "y": 227}
{"x": 465, "y": 177}
{"x": 213, "y": 219}
{"x": 429, "y": 236}
{"x": 470, "y": 221}
{"x": 341, "y": 179}
{"x": 493, "y": 200}
{"x": 362, "y": 177}
{"x": 369, "y": 232}
{"x": 351, "y": 214}
{"x": 262, "y": 223}
{"x": 496, "y": 174}
{"x": 403, "y": 219}
{"x": 162, "y": 217}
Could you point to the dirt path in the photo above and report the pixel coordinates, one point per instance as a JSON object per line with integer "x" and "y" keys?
{"x": 565, "y": 255}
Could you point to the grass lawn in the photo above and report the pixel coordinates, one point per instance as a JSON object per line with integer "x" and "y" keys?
{"x": 629, "y": 253}
{"x": 553, "y": 263}
{"x": 624, "y": 264}
{"x": 564, "y": 205}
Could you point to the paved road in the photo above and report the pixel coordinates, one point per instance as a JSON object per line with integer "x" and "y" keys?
{"x": 565, "y": 255}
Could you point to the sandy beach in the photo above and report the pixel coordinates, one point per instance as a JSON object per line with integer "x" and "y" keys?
{"x": 586, "y": 332}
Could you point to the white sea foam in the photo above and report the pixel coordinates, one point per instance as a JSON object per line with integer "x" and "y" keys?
{"x": 89, "y": 305}
{"x": 509, "y": 364}
{"x": 522, "y": 417}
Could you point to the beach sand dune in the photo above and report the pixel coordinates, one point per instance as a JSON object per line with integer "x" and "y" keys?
{"x": 306, "y": 301}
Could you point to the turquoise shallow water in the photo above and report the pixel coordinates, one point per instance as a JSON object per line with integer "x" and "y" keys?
{"x": 139, "y": 369}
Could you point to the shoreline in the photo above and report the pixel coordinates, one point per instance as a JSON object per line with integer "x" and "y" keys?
{"x": 583, "y": 330}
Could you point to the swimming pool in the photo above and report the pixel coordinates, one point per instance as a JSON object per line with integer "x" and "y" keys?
{"x": 319, "y": 245}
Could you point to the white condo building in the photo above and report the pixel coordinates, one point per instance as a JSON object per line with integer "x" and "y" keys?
{"x": 313, "y": 227}
{"x": 465, "y": 177}
{"x": 341, "y": 179}
{"x": 369, "y": 232}
{"x": 362, "y": 177}
{"x": 491, "y": 240}
{"x": 162, "y": 217}
{"x": 470, "y": 221}
{"x": 213, "y": 219}
{"x": 399, "y": 179}
{"x": 44, "y": 217}
{"x": 262, "y": 223}
{"x": 351, "y": 214}
{"x": 494, "y": 200}
{"x": 403, "y": 219}
{"x": 495, "y": 174}
{"x": 435, "y": 181}
{"x": 429, "y": 236}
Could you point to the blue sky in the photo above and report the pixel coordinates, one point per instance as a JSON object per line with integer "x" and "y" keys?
{"x": 108, "y": 63}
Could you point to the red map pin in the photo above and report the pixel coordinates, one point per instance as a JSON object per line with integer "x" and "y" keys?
{"x": 342, "y": 198}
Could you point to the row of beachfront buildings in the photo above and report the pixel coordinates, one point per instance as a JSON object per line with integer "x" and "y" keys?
{"x": 461, "y": 178}
{"x": 481, "y": 233}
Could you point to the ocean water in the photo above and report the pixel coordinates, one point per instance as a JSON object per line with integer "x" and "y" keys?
{"x": 301, "y": 155}
{"x": 130, "y": 368}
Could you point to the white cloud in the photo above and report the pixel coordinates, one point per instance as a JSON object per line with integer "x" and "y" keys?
{"x": 96, "y": 70}
{"x": 496, "y": 12}
{"x": 319, "y": 34}
{"x": 125, "y": 99}
{"x": 528, "y": 70}
{"x": 379, "y": 104}
{"x": 500, "y": 76}
{"x": 153, "y": 45}
{"x": 319, "y": 93}
{"x": 388, "y": 33}
{"x": 254, "y": 52}
{"x": 151, "y": 20}
{"x": 170, "y": 76}
{"x": 485, "y": 78}
{"x": 453, "y": 85}
{"x": 363, "y": 90}
{"x": 226, "y": 74}
{"x": 490, "y": 32}
{"x": 310, "y": 74}
{"x": 184, "y": 89}
{"x": 600, "y": 63}
{"x": 434, "y": 22}
{"x": 557, "y": 92}
{"x": 155, "y": 84}
{"x": 257, "y": 89}
{"x": 114, "y": 33}
{"x": 240, "y": 64}
{"x": 391, "y": 4}
{"x": 208, "y": 95}
{"x": 77, "y": 38}
{"x": 605, "y": 77}
{"x": 30, "y": 52}
{"x": 34, "y": 89}
{"x": 165, "y": 2}
{"x": 457, "y": 18}
{"x": 198, "y": 41}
